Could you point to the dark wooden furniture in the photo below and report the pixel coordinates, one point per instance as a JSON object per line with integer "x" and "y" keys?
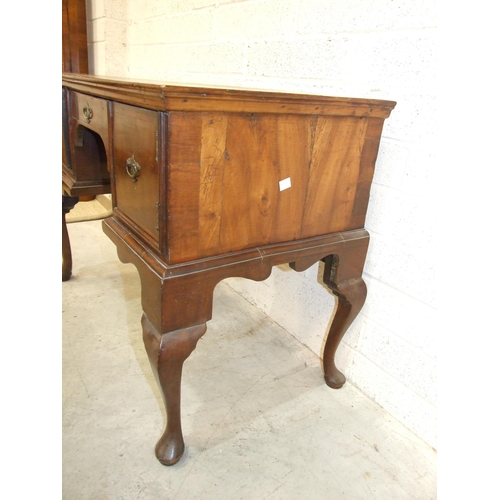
{"x": 209, "y": 184}
{"x": 78, "y": 179}
{"x": 74, "y": 37}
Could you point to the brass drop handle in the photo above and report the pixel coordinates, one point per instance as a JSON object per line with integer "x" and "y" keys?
{"x": 133, "y": 168}
{"x": 88, "y": 113}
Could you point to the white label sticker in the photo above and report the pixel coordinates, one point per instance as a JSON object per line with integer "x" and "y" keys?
{"x": 285, "y": 184}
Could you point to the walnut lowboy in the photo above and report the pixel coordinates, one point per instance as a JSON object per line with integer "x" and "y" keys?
{"x": 209, "y": 183}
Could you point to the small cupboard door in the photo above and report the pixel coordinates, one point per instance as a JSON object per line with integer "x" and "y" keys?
{"x": 136, "y": 168}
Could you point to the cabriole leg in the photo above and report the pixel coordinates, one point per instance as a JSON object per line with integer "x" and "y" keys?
{"x": 167, "y": 353}
{"x": 351, "y": 296}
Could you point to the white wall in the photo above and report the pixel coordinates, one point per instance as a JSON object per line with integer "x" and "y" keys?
{"x": 357, "y": 48}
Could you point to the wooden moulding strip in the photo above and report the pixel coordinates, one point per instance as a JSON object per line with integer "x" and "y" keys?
{"x": 116, "y": 231}
{"x": 181, "y": 98}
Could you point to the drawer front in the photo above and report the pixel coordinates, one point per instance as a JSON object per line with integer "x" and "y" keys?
{"x": 136, "y": 167}
{"x": 88, "y": 147}
{"x": 91, "y": 112}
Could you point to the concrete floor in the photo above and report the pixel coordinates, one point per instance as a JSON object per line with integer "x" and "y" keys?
{"x": 258, "y": 420}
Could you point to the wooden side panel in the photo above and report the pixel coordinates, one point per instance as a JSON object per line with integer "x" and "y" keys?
{"x": 183, "y": 223}
{"x": 366, "y": 170}
{"x": 238, "y": 181}
{"x": 251, "y": 177}
{"x": 334, "y": 170}
{"x": 294, "y": 153}
{"x": 213, "y": 149}
{"x": 261, "y": 151}
{"x": 135, "y": 132}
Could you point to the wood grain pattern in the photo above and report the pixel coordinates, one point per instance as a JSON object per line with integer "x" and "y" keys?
{"x": 227, "y": 167}
{"x": 333, "y": 175}
{"x": 366, "y": 170}
{"x": 250, "y": 181}
{"x": 74, "y": 37}
{"x": 183, "y": 184}
{"x": 213, "y": 150}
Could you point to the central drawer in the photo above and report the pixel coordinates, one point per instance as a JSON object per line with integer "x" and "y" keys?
{"x": 86, "y": 136}
{"x": 90, "y": 112}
